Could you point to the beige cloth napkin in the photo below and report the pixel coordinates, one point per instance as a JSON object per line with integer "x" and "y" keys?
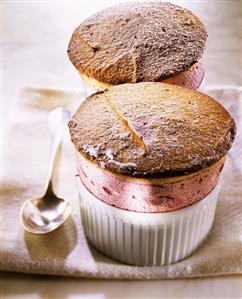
{"x": 66, "y": 250}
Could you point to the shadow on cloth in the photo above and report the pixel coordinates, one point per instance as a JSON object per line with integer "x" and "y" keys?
{"x": 57, "y": 244}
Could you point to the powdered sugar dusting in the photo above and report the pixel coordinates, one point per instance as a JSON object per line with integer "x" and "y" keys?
{"x": 93, "y": 151}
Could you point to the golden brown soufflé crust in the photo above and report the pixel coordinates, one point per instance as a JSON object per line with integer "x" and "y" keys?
{"x": 136, "y": 42}
{"x": 152, "y": 129}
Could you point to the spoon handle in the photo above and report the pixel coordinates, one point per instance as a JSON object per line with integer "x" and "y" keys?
{"x": 57, "y": 119}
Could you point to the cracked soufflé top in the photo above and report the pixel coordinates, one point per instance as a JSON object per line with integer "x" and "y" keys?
{"x": 151, "y": 130}
{"x": 136, "y": 42}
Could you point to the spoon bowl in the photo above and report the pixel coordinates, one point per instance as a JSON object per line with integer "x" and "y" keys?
{"x": 40, "y": 216}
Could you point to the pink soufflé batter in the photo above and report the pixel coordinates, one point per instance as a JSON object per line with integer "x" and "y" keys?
{"x": 151, "y": 195}
{"x": 192, "y": 78}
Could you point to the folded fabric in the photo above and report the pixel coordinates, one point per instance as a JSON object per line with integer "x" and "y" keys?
{"x": 66, "y": 250}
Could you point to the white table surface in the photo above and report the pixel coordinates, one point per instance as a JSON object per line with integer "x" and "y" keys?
{"x": 35, "y": 35}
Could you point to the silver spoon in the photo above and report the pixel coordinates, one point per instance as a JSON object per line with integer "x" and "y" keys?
{"x": 43, "y": 215}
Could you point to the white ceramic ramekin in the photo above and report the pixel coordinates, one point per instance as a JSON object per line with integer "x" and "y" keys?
{"x": 146, "y": 239}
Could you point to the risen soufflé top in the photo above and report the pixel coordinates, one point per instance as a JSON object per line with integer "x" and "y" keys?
{"x": 151, "y": 130}
{"x": 137, "y": 42}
